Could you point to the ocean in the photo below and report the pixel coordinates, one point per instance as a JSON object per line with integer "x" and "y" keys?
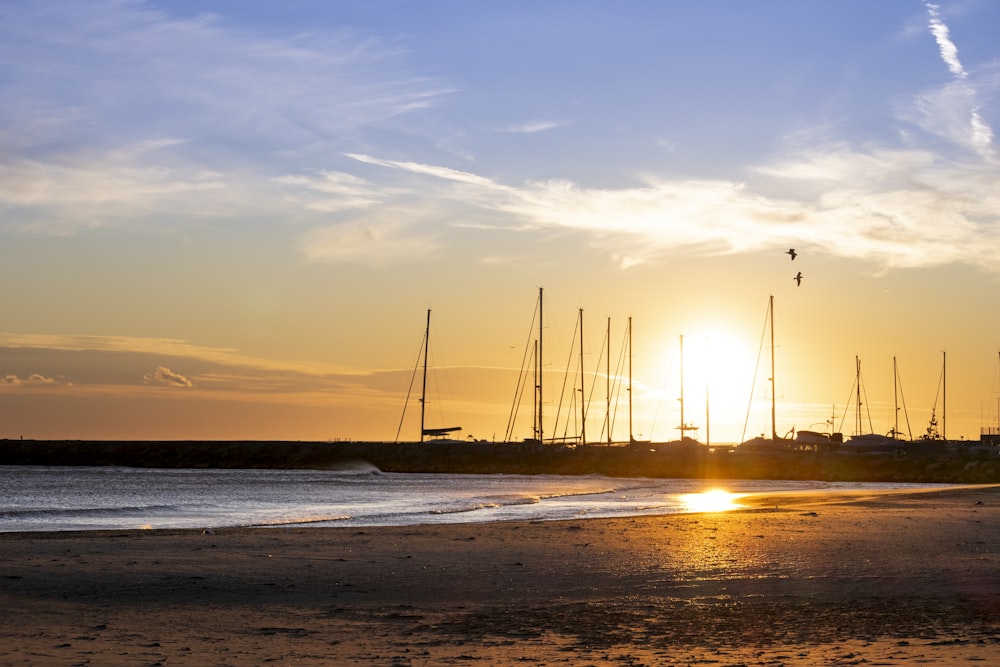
{"x": 43, "y": 498}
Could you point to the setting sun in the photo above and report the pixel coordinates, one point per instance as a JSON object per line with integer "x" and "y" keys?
{"x": 713, "y": 500}
{"x": 716, "y": 369}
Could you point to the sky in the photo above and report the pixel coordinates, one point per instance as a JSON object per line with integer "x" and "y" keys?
{"x": 229, "y": 219}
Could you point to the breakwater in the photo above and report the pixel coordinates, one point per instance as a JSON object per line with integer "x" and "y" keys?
{"x": 930, "y": 462}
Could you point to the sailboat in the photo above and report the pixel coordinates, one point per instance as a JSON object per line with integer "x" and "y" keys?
{"x": 803, "y": 440}
{"x": 537, "y": 423}
{"x": 684, "y": 426}
{"x": 932, "y": 432}
{"x": 869, "y": 441}
{"x": 440, "y": 432}
{"x": 761, "y": 441}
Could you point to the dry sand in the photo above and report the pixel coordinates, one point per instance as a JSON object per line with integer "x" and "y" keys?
{"x": 885, "y": 579}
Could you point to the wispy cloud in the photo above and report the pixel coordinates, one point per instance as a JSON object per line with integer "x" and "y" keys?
{"x": 949, "y": 52}
{"x": 117, "y": 111}
{"x": 534, "y": 126}
{"x": 375, "y": 240}
{"x": 332, "y": 191}
{"x": 891, "y": 207}
{"x": 120, "y": 364}
{"x": 919, "y": 203}
{"x": 158, "y": 347}
{"x": 444, "y": 173}
{"x": 92, "y": 190}
{"x": 32, "y": 379}
{"x": 164, "y": 377}
{"x": 961, "y": 96}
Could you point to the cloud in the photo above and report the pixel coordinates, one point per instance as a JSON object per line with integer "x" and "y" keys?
{"x": 333, "y": 191}
{"x": 959, "y": 98}
{"x": 373, "y": 241}
{"x": 160, "y": 347}
{"x": 949, "y": 52}
{"x": 116, "y": 112}
{"x": 97, "y": 190}
{"x": 892, "y": 207}
{"x": 916, "y": 204}
{"x": 118, "y": 367}
{"x": 165, "y": 377}
{"x": 33, "y": 378}
{"x": 444, "y": 173}
{"x": 534, "y": 126}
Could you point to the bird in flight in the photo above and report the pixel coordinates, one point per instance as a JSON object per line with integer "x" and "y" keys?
{"x": 791, "y": 253}
{"x": 798, "y": 279}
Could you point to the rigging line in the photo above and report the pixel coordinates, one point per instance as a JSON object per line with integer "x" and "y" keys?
{"x": 847, "y": 404}
{"x": 938, "y": 394}
{"x": 932, "y": 430}
{"x": 756, "y": 369}
{"x": 868, "y": 404}
{"x": 619, "y": 372}
{"x": 510, "y": 428}
{"x": 593, "y": 385}
{"x": 522, "y": 377}
{"x": 522, "y": 384}
{"x": 436, "y": 384}
{"x": 562, "y": 392}
{"x": 659, "y": 403}
{"x": 906, "y": 414}
{"x": 409, "y": 391}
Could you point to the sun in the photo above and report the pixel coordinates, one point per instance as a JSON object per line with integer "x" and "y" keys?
{"x": 713, "y": 500}
{"x": 717, "y": 370}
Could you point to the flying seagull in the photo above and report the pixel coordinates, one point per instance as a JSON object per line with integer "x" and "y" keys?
{"x": 791, "y": 253}
{"x": 798, "y": 279}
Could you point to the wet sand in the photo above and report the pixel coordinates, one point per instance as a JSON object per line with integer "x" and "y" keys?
{"x": 888, "y": 578}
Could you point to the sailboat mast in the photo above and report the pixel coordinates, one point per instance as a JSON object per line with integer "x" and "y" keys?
{"x": 708, "y": 435}
{"x": 895, "y": 400}
{"x": 857, "y": 382}
{"x": 423, "y": 390}
{"x": 534, "y": 404}
{"x": 538, "y": 358}
{"x": 631, "y": 437}
{"x": 583, "y": 395}
{"x": 682, "y": 388}
{"x": 607, "y": 383}
{"x": 944, "y": 396}
{"x": 774, "y": 396}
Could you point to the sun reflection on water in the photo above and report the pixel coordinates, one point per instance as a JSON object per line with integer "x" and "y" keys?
{"x": 713, "y": 500}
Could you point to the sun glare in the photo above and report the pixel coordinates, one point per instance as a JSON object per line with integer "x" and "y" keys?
{"x": 717, "y": 374}
{"x": 713, "y": 500}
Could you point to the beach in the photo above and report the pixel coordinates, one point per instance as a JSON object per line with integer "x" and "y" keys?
{"x": 827, "y": 578}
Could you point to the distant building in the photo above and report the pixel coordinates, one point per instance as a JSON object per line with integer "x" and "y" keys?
{"x": 990, "y": 435}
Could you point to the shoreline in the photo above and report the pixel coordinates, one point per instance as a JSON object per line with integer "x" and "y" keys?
{"x": 889, "y": 577}
{"x": 742, "y": 502}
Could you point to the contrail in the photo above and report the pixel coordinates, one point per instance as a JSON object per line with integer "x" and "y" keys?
{"x": 982, "y": 133}
{"x": 949, "y": 52}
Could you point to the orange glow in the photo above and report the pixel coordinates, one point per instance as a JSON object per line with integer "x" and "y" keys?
{"x": 713, "y": 500}
{"x": 718, "y": 369}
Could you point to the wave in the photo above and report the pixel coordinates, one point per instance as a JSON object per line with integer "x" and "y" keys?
{"x": 354, "y": 468}
{"x": 489, "y": 503}
{"x": 301, "y": 521}
{"x": 575, "y": 494}
{"x": 81, "y": 512}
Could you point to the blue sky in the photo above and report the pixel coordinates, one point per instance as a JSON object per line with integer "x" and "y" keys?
{"x": 198, "y": 172}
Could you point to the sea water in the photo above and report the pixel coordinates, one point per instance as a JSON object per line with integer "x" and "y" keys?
{"x": 37, "y": 498}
